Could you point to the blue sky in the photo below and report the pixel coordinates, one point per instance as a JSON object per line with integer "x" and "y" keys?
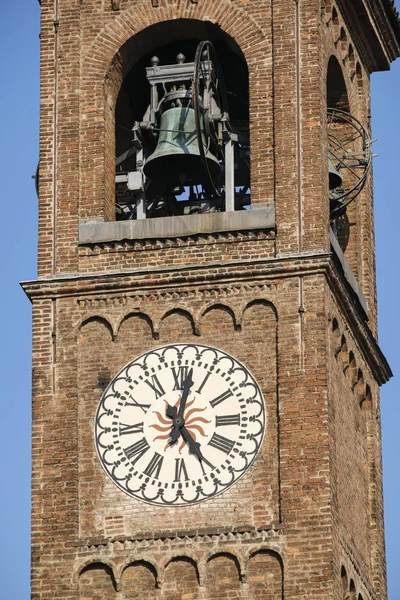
{"x": 19, "y": 104}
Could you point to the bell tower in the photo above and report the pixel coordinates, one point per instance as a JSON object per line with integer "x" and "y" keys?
{"x": 206, "y": 371}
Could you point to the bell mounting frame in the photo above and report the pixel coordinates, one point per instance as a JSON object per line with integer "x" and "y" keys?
{"x": 199, "y": 86}
{"x": 352, "y": 157}
{"x": 210, "y": 105}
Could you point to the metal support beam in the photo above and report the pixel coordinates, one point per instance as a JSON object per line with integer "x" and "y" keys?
{"x": 229, "y": 172}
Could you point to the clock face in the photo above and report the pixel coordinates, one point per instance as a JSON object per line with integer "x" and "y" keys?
{"x": 179, "y": 424}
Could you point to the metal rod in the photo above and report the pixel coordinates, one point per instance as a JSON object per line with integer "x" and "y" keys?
{"x": 141, "y": 197}
{"x": 229, "y": 175}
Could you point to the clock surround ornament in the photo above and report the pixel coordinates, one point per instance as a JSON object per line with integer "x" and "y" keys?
{"x": 179, "y": 424}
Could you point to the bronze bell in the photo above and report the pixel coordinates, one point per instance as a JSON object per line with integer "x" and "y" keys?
{"x": 335, "y": 179}
{"x": 176, "y": 159}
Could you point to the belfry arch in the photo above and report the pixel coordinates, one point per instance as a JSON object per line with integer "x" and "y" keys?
{"x": 337, "y": 96}
{"x": 155, "y": 65}
{"x": 340, "y": 139}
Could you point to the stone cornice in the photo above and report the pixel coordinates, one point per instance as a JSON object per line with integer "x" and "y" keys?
{"x": 101, "y": 232}
{"x": 198, "y": 535}
{"x": 351, "y": 308}
{"x": 375, "y": 31}
{"x": 223, "y": 272}
{"x": 235, "y": 273}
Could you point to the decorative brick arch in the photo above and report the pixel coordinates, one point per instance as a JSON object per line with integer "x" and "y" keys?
{"x": 96, "y": 318}
{"x": 265, "y": 574}
{"x": 99, "y": 578}
{"x": 101, "y": 55}
{"x": 102, "y": 75}
{"x": 136, "y": 314}
{"x": 131, "y": 578}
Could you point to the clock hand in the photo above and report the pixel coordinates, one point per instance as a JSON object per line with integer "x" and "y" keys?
{"x": 174, "y": 414}
{"x": 185, "y": 392}
{"x": 171, "y": 412}
{"x": 194, "y": 447}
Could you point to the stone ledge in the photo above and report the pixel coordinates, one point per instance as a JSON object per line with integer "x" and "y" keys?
{"x": 348, "y": 273}
{"x": 95, "y": 232}
{"x": 223, "y": 274}
{"x": 247, "y": 531}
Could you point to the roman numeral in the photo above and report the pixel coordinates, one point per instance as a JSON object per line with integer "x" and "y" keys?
{"x": 180, "y": 469}
{"x": 180, "y": 375}
{"x": 221, "y": 443}
{"x": 127, "y": 429}
{"x": 203, "y": 383}
{"x": 156, "y": 386}
{"x": 136, "y": 450}
{"x": 136, "y": 404}
{"x": 221, "y": 398}
{"x": 154, "y": 466}
{"x": 225, "y": 420}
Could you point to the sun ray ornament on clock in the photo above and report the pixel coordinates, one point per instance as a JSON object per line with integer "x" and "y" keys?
{"x": 179, "y": 424}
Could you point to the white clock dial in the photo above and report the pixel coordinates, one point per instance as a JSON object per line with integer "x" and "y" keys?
{"x": 179, "y": 424}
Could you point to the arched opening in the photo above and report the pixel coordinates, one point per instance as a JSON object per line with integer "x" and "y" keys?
{"x": 344, "y": 143}
{"x": 349, "y": 160}
{"x": 182, "y": 123}
{"x": 336, "y": 86}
